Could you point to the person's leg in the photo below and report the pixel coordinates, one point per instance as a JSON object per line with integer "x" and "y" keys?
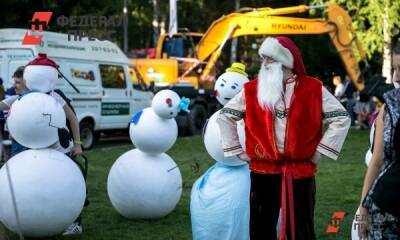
{"x": 359, "y": 120}
{"x": 364, "y": 120}
{"x": 304, "y": 203}
{"x": 350, "y": 110}
{"x": 76, "y": 227}
{"x": 264, "y": 206}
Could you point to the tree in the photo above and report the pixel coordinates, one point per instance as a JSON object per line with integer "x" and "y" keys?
{"x": 375, "y": 22}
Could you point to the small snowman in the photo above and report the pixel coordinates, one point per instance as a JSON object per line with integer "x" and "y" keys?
{"x": 145, "y": 182}
{"x": 220, "y": 197}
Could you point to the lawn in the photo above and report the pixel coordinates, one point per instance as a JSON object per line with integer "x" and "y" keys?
{"x": 338, "y": 189}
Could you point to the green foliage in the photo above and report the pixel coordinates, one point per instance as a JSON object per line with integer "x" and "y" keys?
{"x": 367, "y": 16}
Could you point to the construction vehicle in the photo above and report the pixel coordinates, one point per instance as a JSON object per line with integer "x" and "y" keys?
{"x": 186, "y": 62}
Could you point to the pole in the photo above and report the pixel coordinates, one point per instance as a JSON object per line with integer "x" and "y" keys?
{"x": 173, "y": 18}
{"x": 155, "y": 23}
{"x": 235, "y": 40}
{"x": 125, "y": 11}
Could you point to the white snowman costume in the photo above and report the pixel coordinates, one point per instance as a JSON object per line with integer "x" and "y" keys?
{"x": 49, "y": 189}
{"x": 40, "y": 75}
{"x": 145, "y": 182}
{"x": 219, "y": 205}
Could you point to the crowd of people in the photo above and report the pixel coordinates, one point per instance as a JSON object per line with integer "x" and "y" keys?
{"x": 363, "y": 108}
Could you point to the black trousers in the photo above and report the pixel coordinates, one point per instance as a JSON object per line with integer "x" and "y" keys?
{"x": 265, "y": 202}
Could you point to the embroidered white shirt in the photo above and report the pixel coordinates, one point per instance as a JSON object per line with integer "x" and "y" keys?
{"x": 334, "y": 115}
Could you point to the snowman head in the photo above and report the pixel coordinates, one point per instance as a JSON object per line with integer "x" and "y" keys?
{"x": 230, "y": 83}
{"x": 166, "y": 104}
{"x": 41, "y": 74}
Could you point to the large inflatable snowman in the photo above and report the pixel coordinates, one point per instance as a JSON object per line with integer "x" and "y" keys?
{"x": 219, "y": 204}
{"x": 42, "y": 191}
{"x": 145, "y": 182}
{"x": 49, "y": 191}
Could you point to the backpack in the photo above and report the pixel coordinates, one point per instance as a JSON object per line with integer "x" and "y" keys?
{"x": 64, "y": 135}
{"x": 68, "y": 102}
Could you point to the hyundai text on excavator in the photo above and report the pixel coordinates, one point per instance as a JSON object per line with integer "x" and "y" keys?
{"x": 186, "y": 62}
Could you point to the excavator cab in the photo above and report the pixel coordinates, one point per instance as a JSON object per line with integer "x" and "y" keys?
{"x": 174, "y": 47}
{"x": 180, "y": 45}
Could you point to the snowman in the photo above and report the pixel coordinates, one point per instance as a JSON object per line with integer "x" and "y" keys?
{"x": 145, "y": 182}
{"x": 42, "y": 191}
{"x": 220, "y": 197}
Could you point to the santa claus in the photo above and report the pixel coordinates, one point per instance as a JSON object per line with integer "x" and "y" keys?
{"x": 284, "y": 112}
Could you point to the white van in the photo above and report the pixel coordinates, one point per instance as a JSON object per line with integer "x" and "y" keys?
{"x": 99, "y": 69}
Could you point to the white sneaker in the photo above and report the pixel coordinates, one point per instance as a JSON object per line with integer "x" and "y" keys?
{"x": 73, "y": 229}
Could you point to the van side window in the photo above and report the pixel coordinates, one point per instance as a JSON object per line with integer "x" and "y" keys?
{"x": 112, "y": 76}
{"x": 81, "y": 74}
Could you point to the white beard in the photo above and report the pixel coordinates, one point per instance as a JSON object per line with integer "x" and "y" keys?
{"x": 270, "y": 85}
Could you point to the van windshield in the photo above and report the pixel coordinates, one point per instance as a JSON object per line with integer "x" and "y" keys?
{"x": 112, "y": 76}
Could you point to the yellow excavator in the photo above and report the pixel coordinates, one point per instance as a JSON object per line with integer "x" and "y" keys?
{"x": 186, "y": 62}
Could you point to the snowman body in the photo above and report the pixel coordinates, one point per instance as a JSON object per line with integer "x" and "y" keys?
{"x": 219, "y": 202}
{"x": 145, "y": 183}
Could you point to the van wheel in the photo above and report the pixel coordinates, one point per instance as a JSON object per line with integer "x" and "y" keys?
{"x": 196, "y": 119}
{"x": 87, "y": 135}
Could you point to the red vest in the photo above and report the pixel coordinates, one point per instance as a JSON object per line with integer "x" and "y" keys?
{"x": 303, "y": 130}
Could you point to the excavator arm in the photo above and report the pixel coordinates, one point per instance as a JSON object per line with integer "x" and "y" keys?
{"x": 264, "y": 21}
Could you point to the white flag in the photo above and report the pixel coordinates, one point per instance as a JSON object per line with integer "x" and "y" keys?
{"x": 173, "y": 18}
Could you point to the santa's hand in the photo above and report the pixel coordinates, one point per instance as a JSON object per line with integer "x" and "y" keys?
{"x": 76, "y": 150}
{"x": 316, "y": 158}
{"x": 244, "y": 157}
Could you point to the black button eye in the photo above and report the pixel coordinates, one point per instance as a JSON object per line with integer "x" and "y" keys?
{"x": 233, "y": 87}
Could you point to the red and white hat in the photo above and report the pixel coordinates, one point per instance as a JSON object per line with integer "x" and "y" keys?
{"x": 41, "y": 74}
{"x": 283, "y": 50}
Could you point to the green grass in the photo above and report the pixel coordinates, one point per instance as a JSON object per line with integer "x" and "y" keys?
{"x": 338, "y": 189}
